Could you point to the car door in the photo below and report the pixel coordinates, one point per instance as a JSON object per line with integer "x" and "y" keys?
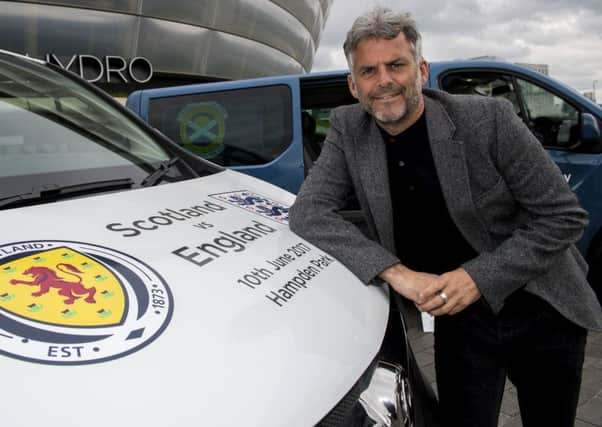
{"x": 245, "y": 125}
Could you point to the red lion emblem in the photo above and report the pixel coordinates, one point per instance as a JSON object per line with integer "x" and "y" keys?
{"x": 47, "y": 278}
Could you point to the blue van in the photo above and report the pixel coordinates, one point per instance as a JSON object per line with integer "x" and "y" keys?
{"x": 255, "y": 126}
{"x": 273, "y": 127}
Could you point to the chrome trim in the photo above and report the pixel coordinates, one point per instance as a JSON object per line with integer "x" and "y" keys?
{"x": 387, "y": 401}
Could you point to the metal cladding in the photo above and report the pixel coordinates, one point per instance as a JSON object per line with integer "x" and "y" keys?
{"x": 230, "y": 39}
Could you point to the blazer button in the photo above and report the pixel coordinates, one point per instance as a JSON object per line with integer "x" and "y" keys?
{"x": 401, "y": 163}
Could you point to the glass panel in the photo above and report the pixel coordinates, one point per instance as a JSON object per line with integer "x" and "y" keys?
{"x": 554, "y": 121}
{"x": 551, "y": 119}
{"x": 176, "y": 48}
{"x": 249, "y": 126}
{"x": 318, "y": 98}
{"x": 306, "y": 11}
{"x": 39, "y": 30}
{"x": 265, "y": 22}
{"x": 237, "y": 57}
{"x": 482, "y": 83}
{"x": 260, "y": 21}
{"x": 49, "y": 124}
{"x": 130, "y": 6}
{"x": 320, "y": 117}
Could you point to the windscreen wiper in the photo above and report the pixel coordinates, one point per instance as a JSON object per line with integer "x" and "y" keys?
{"x": 55, "y": 192}
{"x": 157, "y": 175}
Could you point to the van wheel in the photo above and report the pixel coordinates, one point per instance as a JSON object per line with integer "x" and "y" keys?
{"x": 595, "y": 270}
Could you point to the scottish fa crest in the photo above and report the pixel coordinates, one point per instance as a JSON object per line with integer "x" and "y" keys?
{"x": 203, "y": 127}
{"x": 71, "y": 303}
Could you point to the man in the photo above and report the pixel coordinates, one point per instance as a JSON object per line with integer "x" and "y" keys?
{"x": 467, "y": 217}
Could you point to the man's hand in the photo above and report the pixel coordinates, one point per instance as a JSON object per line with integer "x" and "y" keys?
{"x": 459, "y": 291}
{"x": 407, "y": 282}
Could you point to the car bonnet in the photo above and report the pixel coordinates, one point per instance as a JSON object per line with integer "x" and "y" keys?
{"x": 188, "y": 303}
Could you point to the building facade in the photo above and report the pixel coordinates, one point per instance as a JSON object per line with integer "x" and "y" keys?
{"x": 123, "y": 45}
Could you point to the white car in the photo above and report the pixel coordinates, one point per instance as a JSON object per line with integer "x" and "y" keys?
{"x": 143, "y": 286}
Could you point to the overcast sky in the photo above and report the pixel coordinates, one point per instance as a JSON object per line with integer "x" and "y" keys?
{"x": 564, "y": 34}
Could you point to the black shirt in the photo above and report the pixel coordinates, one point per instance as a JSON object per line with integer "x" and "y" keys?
{"x": 426, "y": 237}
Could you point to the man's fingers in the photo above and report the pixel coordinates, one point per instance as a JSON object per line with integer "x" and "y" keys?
{"x": 456, "y": 305}
{"x": 431, "y": 291}
{"x": 457, "y": 309}
{"x": 451, "y": 307}
{"x": 435, "y": 302}
{"x": 446, "y": 307}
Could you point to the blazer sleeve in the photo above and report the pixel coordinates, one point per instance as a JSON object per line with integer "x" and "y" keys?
{"x": 554, "y": 222}
{"x": 316, "y": 213}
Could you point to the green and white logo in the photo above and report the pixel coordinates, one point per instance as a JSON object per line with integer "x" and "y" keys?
{"x": 202, "y": 128}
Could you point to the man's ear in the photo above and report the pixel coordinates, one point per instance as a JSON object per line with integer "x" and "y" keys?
{"x": 424, "y": 71}
{"x": 351, "y": 85}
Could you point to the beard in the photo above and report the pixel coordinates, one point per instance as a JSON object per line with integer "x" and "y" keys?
{"x": 411, "y": 96}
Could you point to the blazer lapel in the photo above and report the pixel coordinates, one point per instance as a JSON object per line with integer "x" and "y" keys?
{"x": 450, "y": 163}
{"x": 372, "y": 164}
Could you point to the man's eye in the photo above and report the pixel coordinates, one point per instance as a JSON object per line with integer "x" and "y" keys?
{"x": 395, "y": 66}
{"x": 367, "y": 72}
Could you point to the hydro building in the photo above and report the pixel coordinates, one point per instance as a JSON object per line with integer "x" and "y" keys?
{"x": 124, "y": 45}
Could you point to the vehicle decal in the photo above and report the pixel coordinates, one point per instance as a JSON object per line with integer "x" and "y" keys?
{"x": 256, "y": 203}
{"x": 163, "y": 218}
{"x": 73, "y": 303}
{"x": 203, "y": 127}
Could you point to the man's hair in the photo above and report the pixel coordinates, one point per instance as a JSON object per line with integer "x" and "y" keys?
{"x": 383, "y": 23}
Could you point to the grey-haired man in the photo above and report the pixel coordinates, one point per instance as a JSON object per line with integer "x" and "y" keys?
{"x": 467, "y": 217}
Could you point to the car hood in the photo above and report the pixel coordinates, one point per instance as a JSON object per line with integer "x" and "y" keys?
{"x": 206, "y": 310}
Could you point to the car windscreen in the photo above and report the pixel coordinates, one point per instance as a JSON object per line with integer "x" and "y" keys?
{"x": 54, "y": 130}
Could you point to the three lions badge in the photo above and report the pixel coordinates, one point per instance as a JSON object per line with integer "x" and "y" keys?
{"x": 71, "y": 303}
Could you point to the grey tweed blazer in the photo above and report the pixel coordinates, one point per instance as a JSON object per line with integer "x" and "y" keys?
{"x": 504, "y": 193}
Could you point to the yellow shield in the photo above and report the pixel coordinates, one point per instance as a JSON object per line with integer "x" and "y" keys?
{"x": 62, "y": 287}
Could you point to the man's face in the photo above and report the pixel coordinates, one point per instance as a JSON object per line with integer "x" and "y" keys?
{"x": 387, "y": 81}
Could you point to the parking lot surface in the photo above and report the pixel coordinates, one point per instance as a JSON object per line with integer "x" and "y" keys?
{"x": 589, "y": 412}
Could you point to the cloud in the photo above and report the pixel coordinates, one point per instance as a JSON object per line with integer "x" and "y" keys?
{"x": 565, "y": 35}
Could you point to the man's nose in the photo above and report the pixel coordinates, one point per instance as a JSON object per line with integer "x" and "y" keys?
{"x": 384, "y": 76}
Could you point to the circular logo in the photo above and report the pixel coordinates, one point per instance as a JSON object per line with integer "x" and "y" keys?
{"x": 73, "y": 303}
{"x": 202, "y": 128}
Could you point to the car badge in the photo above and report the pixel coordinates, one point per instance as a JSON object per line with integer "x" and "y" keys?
{"x": 77, "y": 303}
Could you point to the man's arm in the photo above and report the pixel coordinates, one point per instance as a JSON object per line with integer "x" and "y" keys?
{"x": 316, "y": 214}
{"x": 409, "y": 283}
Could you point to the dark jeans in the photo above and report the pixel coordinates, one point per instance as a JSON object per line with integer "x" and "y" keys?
{"x": 541, "y": 352}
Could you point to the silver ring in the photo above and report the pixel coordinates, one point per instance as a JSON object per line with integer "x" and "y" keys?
{"x": 443, "y": 296}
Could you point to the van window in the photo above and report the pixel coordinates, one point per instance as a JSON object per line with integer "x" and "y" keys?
{"x": 318, "y": 98}
{"x": 240, "y": 127}
{"x": 484, "y": 84}
{"x": 321, "y": 117}
{"x": 551, "y": 119}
